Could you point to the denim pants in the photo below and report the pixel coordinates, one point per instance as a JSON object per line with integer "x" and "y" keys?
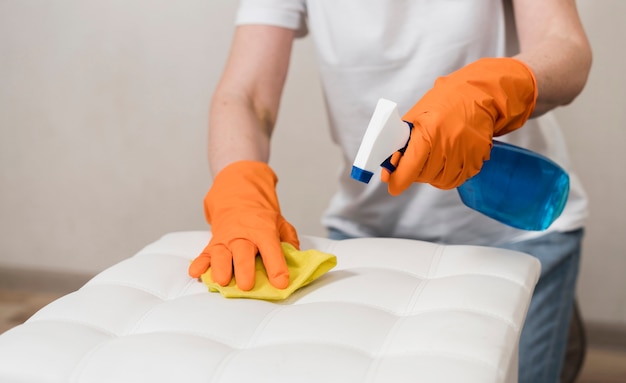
{"x": 543, "y": 341}
{"x": 544, "y": 337}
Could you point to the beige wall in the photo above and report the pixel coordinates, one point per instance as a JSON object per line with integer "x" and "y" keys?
{"x": 103, "y": 114}
{"x": 595, "y": 128}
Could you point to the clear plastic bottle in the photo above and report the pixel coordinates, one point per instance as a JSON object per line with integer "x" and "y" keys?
{"x": 517, "y": 187}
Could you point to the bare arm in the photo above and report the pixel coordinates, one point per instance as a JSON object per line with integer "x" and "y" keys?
{"x": 553, "y": 43}
{"x": 245, "y": 104}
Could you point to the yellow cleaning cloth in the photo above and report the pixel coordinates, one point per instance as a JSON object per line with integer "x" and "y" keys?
{"x": 304, "y": 267}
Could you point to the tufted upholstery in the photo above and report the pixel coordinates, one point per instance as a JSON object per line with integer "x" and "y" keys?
{"x": 391, "y": 311}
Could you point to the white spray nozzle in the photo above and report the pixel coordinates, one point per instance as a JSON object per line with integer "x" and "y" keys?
{"x": 385, "y": 134}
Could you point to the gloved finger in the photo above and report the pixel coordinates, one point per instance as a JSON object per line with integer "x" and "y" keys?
{"x": 410, "y": 164}
{"x": 433, "y": 169}
{"x": 201, "y": 264}
{"x": 221, "y": 265}
{"x": 456, "y": 174}
{"x": 384, "y": 174}
{"x": 275, "y": 263}
{"x": 441, "y": 171}
{"x": 288, "y": 233}
{"x": 244, "y": 254}
{"x": 459, "y": 169}
{"x": 447, "y": 184}
{"x": 448, "y": 178}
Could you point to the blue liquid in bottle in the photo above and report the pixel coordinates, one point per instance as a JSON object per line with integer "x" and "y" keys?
{"x": 517, "y": 187}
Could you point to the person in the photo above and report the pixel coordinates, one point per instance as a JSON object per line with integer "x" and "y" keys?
{"x": 464, "y": 72}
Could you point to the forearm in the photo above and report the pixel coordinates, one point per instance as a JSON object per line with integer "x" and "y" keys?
{"x": 561, "y": 76}
{"x": 245, "y": 104}
{"x": 236, "y": 132}
{"x": 554, "y": 45}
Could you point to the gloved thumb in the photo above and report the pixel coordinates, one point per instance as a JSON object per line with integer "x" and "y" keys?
{"x": 410, "y": 164}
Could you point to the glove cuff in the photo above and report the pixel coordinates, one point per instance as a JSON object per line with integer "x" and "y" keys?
{"x": 242, "y": 183}
{"x": 513, "y": 86}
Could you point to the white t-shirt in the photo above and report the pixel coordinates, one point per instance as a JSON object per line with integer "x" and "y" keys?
{"x": 395, "y": 49}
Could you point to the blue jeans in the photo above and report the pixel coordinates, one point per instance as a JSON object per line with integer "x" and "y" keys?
{"x": 543, "y": 340}
{"x": 544, "y": 337}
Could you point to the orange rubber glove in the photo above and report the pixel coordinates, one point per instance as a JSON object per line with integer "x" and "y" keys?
{"x": 242, "y": 209}
{"x": 455, "y": 121}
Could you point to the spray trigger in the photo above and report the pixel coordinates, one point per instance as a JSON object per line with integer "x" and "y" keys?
{"x": 385, "y": 134}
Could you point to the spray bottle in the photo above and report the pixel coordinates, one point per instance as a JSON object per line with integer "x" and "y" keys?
{"x": 516, "y": 186}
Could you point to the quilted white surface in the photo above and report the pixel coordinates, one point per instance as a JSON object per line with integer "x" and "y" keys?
{"x": 391, "y": 311}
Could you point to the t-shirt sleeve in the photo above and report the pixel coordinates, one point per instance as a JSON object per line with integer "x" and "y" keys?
{"x": 289, "y": 14}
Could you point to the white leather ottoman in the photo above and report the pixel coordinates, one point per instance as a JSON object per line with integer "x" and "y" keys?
{"x": 391, "y": 311}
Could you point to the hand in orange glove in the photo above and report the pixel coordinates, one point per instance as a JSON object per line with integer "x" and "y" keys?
{"x": 455, "y": 121}
{"x": 242, "y": 209}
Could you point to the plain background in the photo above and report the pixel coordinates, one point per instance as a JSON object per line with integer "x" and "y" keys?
{"x": 103, "y": 119}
